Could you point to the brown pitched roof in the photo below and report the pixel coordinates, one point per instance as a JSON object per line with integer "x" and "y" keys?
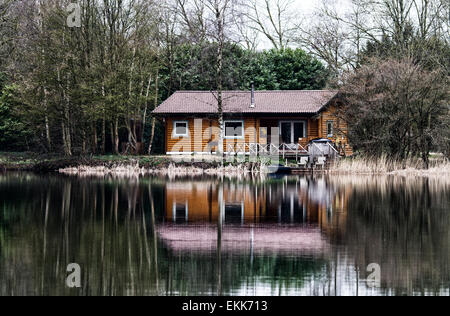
{"x": 266, "y": 102}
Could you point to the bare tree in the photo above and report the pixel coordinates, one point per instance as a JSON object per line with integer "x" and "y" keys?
{"x": 7, "y": 29}
{"x": 246, "y": 36}
{"x": 220, "y": 10}
{"x": 193, "y": 17}
{"x": 395, "y": 108}
{"x": 273, "y": 19}
{"x": 339, "y": 35}
{"x": 328, "y": 40}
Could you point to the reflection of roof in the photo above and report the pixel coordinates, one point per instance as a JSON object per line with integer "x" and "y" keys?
{"x": 204, "y": 102}
{"x": 237, "y": 239}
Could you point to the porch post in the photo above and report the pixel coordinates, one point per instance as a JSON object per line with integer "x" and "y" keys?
{"x": 258, "y": 125}
{"x": 320, "y": 127}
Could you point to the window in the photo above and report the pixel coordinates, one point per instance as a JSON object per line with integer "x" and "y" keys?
{"x": 234, "y": 129}
{"x": 292, "y": 131}
{"x": 180, "y": 129}
{"x": 330, "y": 129}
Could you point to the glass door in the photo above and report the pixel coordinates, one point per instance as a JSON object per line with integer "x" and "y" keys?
{"x": 286, "y": 132}
{"x": 291, "y": 132}
{"x": 299, "y": 131}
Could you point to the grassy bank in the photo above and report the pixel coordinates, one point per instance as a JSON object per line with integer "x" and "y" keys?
{"x": 27, "y": 161}
{"x": 53, "y": 163}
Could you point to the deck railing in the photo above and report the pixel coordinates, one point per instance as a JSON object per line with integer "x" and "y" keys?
{"x": 334, "y": 151}
{"x": 268, "y": 149}
{"x": 283, "y": 150}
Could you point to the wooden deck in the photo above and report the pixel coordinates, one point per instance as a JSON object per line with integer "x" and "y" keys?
{"x": 285, "y": 151}
{"x": 294, "y": 158}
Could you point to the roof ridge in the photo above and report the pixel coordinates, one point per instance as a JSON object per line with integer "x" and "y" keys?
{"x": 238, "y": 101}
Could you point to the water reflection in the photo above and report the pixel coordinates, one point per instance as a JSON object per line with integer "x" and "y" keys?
{"x": 286, "y": 236}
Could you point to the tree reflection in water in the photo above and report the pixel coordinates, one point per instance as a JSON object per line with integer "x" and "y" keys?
{"x": 286, "y": 236}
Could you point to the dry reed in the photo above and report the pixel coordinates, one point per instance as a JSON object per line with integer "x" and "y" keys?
{"x": 172, "y": 171}
{"x": 383, "y": 165}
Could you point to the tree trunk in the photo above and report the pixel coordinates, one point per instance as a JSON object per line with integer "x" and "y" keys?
{"x": 104, "y": 121}
{"x": 144, "y": 116}
{"x": 152, "y": 136}
{"x": 66, "y": 139}
{"x": 131, "y": 123}
{"x": 47, "y": 124}
{"x": 116, "y": 136}
{"x": 112, "y": 138}
{"x": 83, "y": 142}
{"x": 103, "y": 135}
{"x": 94, "y": 138}
{"x": 219, "y": 69}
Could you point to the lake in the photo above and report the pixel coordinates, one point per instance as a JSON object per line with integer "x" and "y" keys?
{"x": 294, "y": 235}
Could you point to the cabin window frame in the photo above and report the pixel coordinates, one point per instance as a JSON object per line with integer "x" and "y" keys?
{"x": 175, "y": 134}
{"x": 233, "y": 137}
{"x": 330, "y": 135}
{"x": 293, "y": 122}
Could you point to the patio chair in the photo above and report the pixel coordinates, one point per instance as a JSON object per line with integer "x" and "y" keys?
{"x": 321, "y": 162}
{"x": 303, "y": 162}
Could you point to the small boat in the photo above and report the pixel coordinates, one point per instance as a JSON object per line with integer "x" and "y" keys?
{"x": 280, "y": 169}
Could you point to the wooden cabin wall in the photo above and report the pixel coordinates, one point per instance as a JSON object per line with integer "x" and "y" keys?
{"x": 209, "y": 134}
{"x": 316, "y": 128}
{"x": 340, "y": 129}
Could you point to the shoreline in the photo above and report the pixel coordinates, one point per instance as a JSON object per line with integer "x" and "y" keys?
{"x": 208, "y": 166}
{"x": 172, "y": 171}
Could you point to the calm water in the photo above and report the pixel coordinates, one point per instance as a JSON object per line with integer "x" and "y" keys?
{"x": 279, "y": 236}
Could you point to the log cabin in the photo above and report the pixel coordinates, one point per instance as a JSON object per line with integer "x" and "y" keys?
{"x": 253, "y": 121}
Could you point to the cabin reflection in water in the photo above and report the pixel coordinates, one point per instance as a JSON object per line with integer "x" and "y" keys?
{"x": 306, "y": 209}
{"x": 290, "y": 201}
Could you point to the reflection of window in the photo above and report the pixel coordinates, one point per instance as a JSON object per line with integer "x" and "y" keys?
{"x": 180, "y": 129}
{"x": 180, "y": 212}
{"x": 291, "y": 210}
{"x": 329, "y": 213}
{"x": 234, "y": 213}
{"x": 234, "y": 129}
{"x": 330, "y": 128}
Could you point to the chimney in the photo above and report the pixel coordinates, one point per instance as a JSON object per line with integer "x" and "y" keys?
{"x": 252, "y": 105}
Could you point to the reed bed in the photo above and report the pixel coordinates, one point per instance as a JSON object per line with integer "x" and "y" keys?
{"x": 385, "y": 166}
{"x": 356, "y": 166}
